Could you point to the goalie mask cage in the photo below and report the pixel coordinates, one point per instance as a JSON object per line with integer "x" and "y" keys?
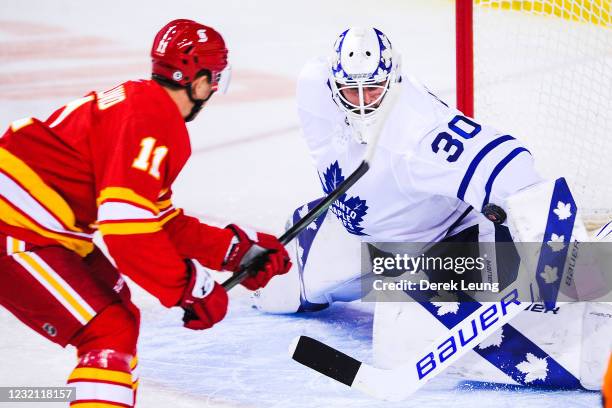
{"x": 541, "y": 70}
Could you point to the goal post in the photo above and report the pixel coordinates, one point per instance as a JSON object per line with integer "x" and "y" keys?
{"x": 464, "y": 49}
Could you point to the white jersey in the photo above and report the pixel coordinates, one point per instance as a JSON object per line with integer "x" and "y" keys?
{"x": 431, "y": 163}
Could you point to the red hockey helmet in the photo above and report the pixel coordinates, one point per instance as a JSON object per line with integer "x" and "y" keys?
{"x": 182, "y": 49}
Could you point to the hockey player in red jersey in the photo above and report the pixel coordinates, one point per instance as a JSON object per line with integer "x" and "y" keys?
{"x": 105, "y": 163}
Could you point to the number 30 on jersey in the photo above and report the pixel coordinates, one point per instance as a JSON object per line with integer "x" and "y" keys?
{"x": 150, "y": 157}
{"x": 459, "y": 126}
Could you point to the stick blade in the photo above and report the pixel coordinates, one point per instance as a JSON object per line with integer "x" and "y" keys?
{"x": 326, "y": 360}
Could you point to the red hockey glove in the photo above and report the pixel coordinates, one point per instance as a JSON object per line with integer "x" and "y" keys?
{"x": 268, "y": 254}
{"x": 204, "y": 300}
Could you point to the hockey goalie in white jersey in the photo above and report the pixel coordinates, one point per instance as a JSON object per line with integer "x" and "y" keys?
{"x": 435, "y": 173}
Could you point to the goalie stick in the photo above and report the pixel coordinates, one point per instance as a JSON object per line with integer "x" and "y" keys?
{"x": 397, "y": 384}
{"x": 385, "y": 108}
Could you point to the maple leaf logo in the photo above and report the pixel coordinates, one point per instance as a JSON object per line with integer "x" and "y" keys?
{"x": 445, "y": 302}
{"x": 534, "y": 368}
{"x": 563, "y": 210}
{"x": 446, "y": 307}
{"x": 550, "y": 274}
{"x": 556, "y": 243}
{"x": 302, "y": 212}
{"x": 332, "y": 178}
{"x": 494, "y": 340}
{"x": 359, "y": 210}
{"x": 349, "y": 210}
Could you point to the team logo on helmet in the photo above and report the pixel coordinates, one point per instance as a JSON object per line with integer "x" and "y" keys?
{"x": 202, "y": 35}
{"x": 177, "y": 75}
{"x": 336, "y": 64}
{"x": 384, "y": 65}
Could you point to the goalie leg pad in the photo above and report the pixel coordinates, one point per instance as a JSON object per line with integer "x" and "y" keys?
{"x": 326, "y": 265}
{"x": 596, "y": 343}
{"x": 565, "y": 347}
{"x": 546, "y": 222}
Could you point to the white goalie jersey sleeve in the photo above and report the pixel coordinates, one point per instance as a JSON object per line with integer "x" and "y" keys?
{"x": 475, "y": 163}
{"x": 317, "y": 112}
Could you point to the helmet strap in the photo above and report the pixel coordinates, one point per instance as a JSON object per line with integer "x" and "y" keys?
{"x": 197, "y": 103}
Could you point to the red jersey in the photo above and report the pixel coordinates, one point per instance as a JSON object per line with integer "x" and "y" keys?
{"x": 107, "y": 162}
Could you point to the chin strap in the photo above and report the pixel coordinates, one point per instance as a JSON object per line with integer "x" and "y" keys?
{"x": 197, "y": 103}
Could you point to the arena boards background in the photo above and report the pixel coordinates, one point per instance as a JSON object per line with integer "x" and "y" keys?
{"x": 249, "y": 166}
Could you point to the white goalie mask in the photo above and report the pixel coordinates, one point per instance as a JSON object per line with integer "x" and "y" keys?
{"x": 363, "y": 67}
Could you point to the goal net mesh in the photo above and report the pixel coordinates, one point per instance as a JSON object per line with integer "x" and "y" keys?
{"x": 543, "y": 73}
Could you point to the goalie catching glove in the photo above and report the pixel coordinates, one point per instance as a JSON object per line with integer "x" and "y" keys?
{"x": 204, "y": 300}
{"x": 267, "y": 254}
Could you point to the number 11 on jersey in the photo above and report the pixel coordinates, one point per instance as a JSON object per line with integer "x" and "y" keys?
{"x": 144, "y": 162}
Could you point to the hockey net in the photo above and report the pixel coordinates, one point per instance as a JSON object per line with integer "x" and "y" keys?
{"x": 542, "y": 71}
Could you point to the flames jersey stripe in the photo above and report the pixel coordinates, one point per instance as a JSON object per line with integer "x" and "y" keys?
{"x": 122, "y": 194}
{"x": 17, "y": 175}
{"x": 129, "y": 228}
{"x": 56, "y": 285}
{"x": 42, "y": 225}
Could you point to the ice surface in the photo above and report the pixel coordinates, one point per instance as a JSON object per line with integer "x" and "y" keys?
{"x": 245, "y": 360}
{"x": 249, "y": 166}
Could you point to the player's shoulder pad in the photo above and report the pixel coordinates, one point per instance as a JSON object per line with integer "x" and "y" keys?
{"x": 130, "y": 98}
{"x": 416, "y": 113}
{"x": 313, "y": 92}
{"x": 151, "y": 104}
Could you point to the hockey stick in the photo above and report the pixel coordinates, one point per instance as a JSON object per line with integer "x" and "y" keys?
{"x": 385, "y": 108}
{"x": 399, "y": 383}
